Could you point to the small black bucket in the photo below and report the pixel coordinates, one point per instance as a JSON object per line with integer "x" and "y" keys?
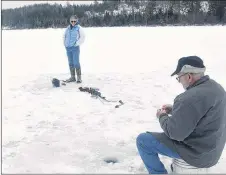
{"x": 56, "y": 82}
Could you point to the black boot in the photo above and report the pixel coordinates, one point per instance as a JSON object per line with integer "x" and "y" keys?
{"x": 72, "y": 78}
{"x": 79, "y": 78}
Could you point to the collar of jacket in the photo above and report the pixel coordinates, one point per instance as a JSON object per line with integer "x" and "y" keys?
{"x": 74, "y": 25}
{"x": 200, "y": 81}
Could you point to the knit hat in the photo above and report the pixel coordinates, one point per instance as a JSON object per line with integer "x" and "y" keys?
{"x": 73, "y": 17}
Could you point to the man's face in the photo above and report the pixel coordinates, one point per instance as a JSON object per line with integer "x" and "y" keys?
{"x": 184, "y": 79}
{"x": 73, "y": 21}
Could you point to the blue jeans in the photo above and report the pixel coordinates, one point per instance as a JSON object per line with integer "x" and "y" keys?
{"x": 73, "y": 56}
{"x": 149, "y": 148}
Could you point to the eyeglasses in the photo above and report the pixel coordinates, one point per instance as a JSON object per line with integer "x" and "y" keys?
{"x": 178, "y": 78}
{"x": 73, "y": 21}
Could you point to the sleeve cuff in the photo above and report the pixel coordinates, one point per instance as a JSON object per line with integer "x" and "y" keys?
{"x": 163, "y": 117}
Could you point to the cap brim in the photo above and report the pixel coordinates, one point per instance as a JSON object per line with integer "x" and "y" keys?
{"x": 174, "y": 73}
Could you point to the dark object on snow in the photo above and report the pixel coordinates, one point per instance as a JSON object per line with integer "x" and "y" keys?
{"x": 121, "y": 103}
{"x": 95, "y": 93}
{"x": 56, "y": 82}
{"x": 111, "y": 160}
{"x": 92, "y": 91}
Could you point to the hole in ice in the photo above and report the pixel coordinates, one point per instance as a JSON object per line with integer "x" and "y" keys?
{"x": 111, "y": 160}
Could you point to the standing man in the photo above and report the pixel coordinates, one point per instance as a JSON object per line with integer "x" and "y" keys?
{"x": 194, "y": 126}
{"x": 74, "y": 36}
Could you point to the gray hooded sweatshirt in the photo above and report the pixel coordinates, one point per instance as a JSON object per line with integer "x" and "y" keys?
{"x": 197, "y": 128}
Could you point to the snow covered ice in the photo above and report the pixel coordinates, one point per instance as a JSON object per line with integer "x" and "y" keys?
{"x": 63, "y": 130}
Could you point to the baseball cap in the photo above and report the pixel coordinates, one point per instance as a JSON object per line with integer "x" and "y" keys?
{"x": 190, "y": 64}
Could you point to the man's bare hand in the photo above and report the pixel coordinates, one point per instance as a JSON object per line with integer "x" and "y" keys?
{"x": 168, "y": 108}
{"x": 160, "y": 112}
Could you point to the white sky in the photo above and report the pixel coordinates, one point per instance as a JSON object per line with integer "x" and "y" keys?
{"x": 15, "y": 4}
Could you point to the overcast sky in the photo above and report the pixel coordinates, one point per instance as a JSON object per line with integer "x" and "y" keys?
{"x": 15, "y": 4}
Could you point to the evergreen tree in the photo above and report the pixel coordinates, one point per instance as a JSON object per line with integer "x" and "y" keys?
{"x": 117, "y": 13}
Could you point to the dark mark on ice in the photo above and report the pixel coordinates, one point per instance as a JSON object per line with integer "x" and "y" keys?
{"x": 111, "y": 160}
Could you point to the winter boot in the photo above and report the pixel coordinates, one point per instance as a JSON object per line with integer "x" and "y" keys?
{"x": 79, "y": 78}
{"x": 72, "y": 78}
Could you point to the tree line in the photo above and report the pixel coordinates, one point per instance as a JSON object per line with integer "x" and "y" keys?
{"x": 117, "y": 13}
